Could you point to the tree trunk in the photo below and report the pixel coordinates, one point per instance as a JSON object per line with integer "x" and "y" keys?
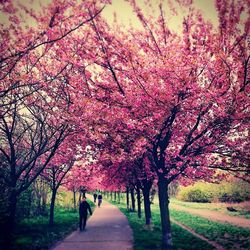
{"x": 80, "y": 197}
{"x": 52, "y": 207}
{"x": 164, "y": 211}
{"x": 74, "y": 199}
{"x": 115, "y": 196}
{"x": 138, "y": 194}
{"x": 44, "y": 200}
{"x": 132, "y": 199}
{"x": 127, "y": 195}
{"x": 147, "y": 208}
{"x": 9, "y": 221}
{"x": 119, "y": 197}
{"x": 84, "y": 193}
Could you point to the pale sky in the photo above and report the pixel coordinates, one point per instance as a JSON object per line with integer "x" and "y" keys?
{"x": 124, "y": 12}
{"x": 125, "y": 15}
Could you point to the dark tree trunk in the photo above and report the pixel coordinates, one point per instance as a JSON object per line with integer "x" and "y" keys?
{"x": 84, "y": 193}
{"x": 80, "y": 197}
{"x": 146, "y": 186}
{"x": 119, "y": 197}
{"x": 132, "y": 199}
{"x": 44, "y": 200}
{"x": 115, "y": 196}
{"x": 12, "y": 209}
{"x": 111, "y": 195}
{"x": 147, "y": 208}
{"x": 164, "y": 210}
{"x": 74, "y": 199}
{"x": 9, "y": 221}
{"x": 52, "y": 207}
{"x": 127, "y": 196}
{"x": 138, "y": 195}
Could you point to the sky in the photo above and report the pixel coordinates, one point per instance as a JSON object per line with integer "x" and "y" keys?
{"x": 125, "y": 15}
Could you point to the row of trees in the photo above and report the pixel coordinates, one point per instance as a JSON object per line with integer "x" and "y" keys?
{"x": 41, "y": 126}
{"x": 182, "y": 107}
{"x": 149, "y": 104}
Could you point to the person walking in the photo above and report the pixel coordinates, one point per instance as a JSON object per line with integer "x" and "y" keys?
{"x": 83, "y": 213}
{"x": 95, "y": 196}
{"x": 99, "y": 200}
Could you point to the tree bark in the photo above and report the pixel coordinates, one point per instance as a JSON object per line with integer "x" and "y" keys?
{"x": 74, "y": 199}
{"x": 164, "y": 211}
{"x": 132, "y": 199}
{"x": 127, "y": 196}
{"x": 147, "y": 208}
{"x": 80, "y": 197}
{"x": 138, "y": 194}
{"x": 119, "y": 197}
{"x": 9, "y": 221}
{"x": 52, "y": 207}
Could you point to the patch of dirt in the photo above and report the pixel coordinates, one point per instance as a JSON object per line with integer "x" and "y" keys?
{"x": 215, "y": 216}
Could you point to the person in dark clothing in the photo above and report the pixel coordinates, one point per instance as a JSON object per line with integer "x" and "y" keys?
{"x": 83, "y": 212}
{"x": 95, "y": 196}
{"x": 99, "y": 200}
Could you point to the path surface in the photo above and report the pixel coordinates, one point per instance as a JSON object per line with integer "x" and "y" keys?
{"x": 215, "y": 216}
{"x": 107, "y": 229}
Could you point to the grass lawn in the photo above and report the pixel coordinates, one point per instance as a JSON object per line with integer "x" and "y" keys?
{"x": 231, "y": 237}
{"x": 145, "y": 238}
{"x": 34, "y": 233}
{"x": 243, "y": 207}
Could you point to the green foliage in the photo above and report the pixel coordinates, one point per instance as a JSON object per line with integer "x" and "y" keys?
{"x": 200, "y": 192}
{"x": 234, "y": 191}
{"x": 25, "y": 204}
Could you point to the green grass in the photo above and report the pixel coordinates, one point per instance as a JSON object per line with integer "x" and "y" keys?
{"x": 146, "y": 238}
{"x": 35, "y": 233}
{"x": 231, "y": 237}
{"x": 243, "y": 208}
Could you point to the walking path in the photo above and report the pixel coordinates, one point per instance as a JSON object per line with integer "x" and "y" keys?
{"x": 215, "y": 216}
{"x": 106, "y": 229}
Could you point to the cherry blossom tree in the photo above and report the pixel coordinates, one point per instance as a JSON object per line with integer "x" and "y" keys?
{"x": 36, "y": 92}
{"x": 181, "y": 98}
{"x": 58, "y": 168}
{"x": 186, "y": 94}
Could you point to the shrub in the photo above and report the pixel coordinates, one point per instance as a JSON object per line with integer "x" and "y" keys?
{"x": 233, "y": 191}
{"x": 196, "y": 193}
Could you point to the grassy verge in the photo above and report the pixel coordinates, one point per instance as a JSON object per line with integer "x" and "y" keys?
{"x": 35, "y": 233}
{"x": 243, "y": 208}
{"x": 150, "y": 238}
{"x": 231, "y": 237}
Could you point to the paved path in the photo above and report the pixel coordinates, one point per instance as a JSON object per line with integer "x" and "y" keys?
{"x": 107, "y": 229}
